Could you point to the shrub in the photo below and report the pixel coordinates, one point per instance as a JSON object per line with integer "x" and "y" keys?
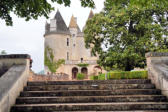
{"x": 93, "y": 77}
{"x": 138, "y": 75}
{"x": 124, "y": 75}
{"x": 80, "y": 76}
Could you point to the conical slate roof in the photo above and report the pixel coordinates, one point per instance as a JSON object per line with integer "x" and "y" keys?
{"x": 60, "y": 24}
{"x": 91, "y": 14}
{"x": 73, "y": 23}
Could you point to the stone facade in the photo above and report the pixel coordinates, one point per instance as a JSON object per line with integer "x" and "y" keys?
{"x": 157, "y": 64}
{"x": 68, "y": 43}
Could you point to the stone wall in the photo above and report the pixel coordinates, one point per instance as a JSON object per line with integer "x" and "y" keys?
{"x": 157, "y": 64}
{"x": 48, "y": 77}
{"x": 13, "y": 81}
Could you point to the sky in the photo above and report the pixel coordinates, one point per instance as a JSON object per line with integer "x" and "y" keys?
{"x": 27, "y": 37}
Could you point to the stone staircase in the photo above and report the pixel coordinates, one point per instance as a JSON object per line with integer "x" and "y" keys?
{"x": 136, "y": 95}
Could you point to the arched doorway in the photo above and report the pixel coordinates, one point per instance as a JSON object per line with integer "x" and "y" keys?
{"x": 74, "y": 72}
{"x": 84, "y": 70}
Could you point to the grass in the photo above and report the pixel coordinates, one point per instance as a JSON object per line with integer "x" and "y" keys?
{"x": 122, "y": 75}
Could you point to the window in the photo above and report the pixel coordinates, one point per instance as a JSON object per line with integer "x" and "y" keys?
{"x": 81, "y": 60}
{"x": 67, "y": 55}
{"x": 73, "y": 35}
{"x": 67, "y": 41}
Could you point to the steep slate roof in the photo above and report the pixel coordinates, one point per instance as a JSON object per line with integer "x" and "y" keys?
{"x": 60, "y": 24}
{"x": 91, "y": 14}
{"x": 73, "y": 23}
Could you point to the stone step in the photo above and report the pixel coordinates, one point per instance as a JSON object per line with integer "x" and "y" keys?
{"x": 123, "y": 111}
{"x": 89, "y": 87}
{"x": 120, "y": 111}
{"x": 86, "y": 82}
{"x": 91, "y": 92}
{"x": 91, "y": 107}
{"x": 93, "y": 99}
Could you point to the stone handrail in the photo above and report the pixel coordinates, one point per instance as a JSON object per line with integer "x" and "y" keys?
{"x": 13, "y": 81}
{"x": 157, "y": 64}
{"x": 78, "y": 62}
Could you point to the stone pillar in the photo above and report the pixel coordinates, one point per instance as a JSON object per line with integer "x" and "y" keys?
{"x": 157, "y": 64}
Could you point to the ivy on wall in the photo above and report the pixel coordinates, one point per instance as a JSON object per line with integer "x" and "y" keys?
{"x": 49, "y": 60}
{"x": 82, "y": 64}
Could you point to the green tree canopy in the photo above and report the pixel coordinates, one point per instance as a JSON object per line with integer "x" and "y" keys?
{"x": 126, "y": 30}
{"x": 32, "y": 9}
{"x": 3, "y": 52}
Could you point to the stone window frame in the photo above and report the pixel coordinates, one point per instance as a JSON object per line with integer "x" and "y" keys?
{"x": 67, "y": 55}
{"x": 67, "y": 41}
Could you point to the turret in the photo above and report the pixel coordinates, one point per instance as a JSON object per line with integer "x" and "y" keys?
{"x": 74, "y": 28}
{"x": 57, "y": 25}
{"x": 91, "y": 14}
{"x": 47, "y": 27}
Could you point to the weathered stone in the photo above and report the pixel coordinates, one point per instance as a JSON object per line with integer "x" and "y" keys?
{"x": 93, "y": 99}
{"x": 91, "y": 82}
{"x": 90, "y": 106}
{"x": 156, "y": 54}
{"x": 111, "y": 95}
{"x": 157, "y": 64}
{"x": 89, "y": 87}
{"x": 13, "y": 81}
{"x": 90, "y": 92}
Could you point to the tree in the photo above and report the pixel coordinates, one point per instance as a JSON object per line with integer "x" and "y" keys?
{"x": 126, "y": 30}
{"x": 32, "y": 9}
{"x": 3, "y": 52}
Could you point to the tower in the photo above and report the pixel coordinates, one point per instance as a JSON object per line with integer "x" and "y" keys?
{"x": 67, "y": 43}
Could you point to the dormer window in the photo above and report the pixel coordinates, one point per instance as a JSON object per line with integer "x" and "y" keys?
{"x": 53, "y": 25}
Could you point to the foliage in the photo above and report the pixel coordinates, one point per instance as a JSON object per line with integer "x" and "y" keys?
{"x": 82, "y": 64}
{"x": 49, "y": 60}
{"x": 138, "y": 75}
{"x": 32, "y": 9}
{"x": 124, "y": 75}
{"x": 126, "y": 30}
{"x": 80, "y": 76}
{"x": 3, "y": 52}
{"x": 92, "y": 77}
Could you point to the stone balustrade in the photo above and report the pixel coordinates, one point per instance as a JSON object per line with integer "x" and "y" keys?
{"x": 14, "y": 79}
{"x": 157, "y": 64}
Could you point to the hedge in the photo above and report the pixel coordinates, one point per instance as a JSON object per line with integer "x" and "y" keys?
{"x": 93, "y": 77}
{"x": 80, "y": 76}
{"x": 123, "y": 75}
